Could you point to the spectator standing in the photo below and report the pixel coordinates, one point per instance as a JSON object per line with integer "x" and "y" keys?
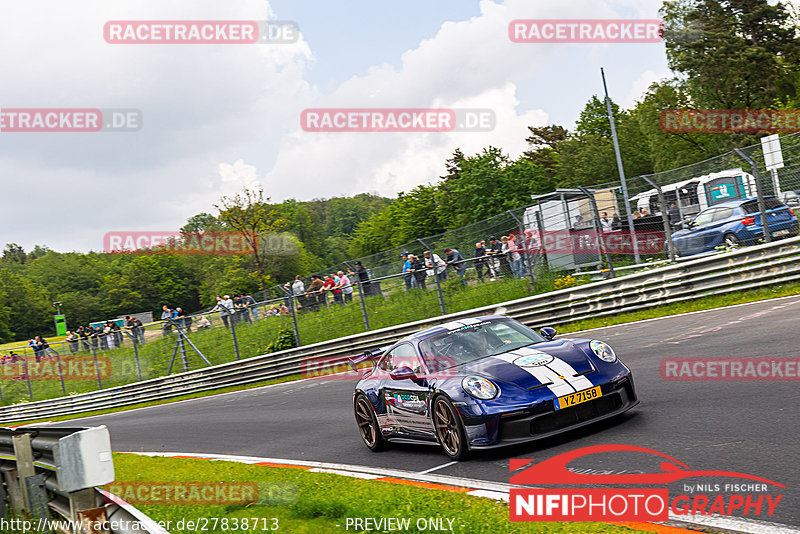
{"x": 454, "y": 259}
{"x": 674, "y": 215}
{"x": 408, "y": 276}
{"x": 336, "y": 289}
{"x": 346, "y": 285}
{"x": 252, "y": 305}
{"x": 606, "y": 224}
{"x": 616, "y": 222}
{"x": 494, "y": 251}
{"x": 225, "y": 308}
{"x": 166, "y": 316}
{"x": 436, "y": 264}
{"x": 514, "y": 257}
{"x": 420, "y": 273}
{"x": 479, "y": 259}
{"x": 363, "y": 277}
{"x": 314, "y": 292}
{"x": 299, "y": 290}
{"x": 72, "y": 338}
{"x": 327, "y": 285}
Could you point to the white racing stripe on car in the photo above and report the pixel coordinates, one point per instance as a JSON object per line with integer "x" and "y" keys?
{"x": 564, "y": 369}
{"x": 452, "y": 325}
{"x": 544, "y": 375}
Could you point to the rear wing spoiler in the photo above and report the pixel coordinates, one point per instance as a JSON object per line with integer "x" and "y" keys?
{"x": 370, "y": 355}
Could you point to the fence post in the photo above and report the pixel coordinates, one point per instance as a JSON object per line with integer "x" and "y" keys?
{"x": 360, "y": 296}
{"x": 97, "y": 368}
{"x": 232, "y": 319}
{"x": 436, "y": 278}
{"x": 762, "y": 207}
{"x": 60, "y": 374}
{"x": 599, "y": 226}
{"x": 290, "y": 298}
{"x": 136, "y": 355}
{"x": 664, "y": 218}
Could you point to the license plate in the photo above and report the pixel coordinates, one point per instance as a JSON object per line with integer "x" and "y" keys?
{"x": 578, "y": 397}
{"x": 779, "y": 233}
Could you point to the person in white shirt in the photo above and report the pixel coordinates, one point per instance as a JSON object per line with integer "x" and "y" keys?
{"x": 605, "y": 222}
{"x": 436, "y": 264}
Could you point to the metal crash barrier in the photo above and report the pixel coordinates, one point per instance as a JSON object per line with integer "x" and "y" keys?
{"x": 51, "y": 477}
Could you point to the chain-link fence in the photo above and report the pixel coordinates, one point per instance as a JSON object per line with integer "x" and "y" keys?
{"x": 551, "y": 244}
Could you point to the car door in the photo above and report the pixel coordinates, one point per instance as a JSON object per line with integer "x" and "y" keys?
{"x": 407, "y": 410}
{"x": 700, "y": 231}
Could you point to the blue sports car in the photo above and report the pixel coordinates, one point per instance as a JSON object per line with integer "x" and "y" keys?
{"x": 734, "y": 222}
{"x": 486, "y": 382}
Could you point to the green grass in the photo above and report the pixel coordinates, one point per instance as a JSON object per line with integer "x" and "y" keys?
{"x": 320, "y": 503}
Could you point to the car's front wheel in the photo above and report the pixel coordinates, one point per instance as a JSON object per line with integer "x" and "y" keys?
{"x": 449, "y": 429}
{"x": 368, "y": 424}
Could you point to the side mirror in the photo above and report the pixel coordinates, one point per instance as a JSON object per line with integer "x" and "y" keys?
{"x": 403, "y": 373}
{"x": 548, "y": 332}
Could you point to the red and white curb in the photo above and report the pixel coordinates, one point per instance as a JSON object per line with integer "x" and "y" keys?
{"x": 479, "y": 488}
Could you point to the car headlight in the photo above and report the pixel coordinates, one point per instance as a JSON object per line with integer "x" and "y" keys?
{"x": 603, "y": 351}
{"x": 479, "y": 387}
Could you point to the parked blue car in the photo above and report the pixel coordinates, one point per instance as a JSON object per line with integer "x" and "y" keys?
{"x": 733, "y": 223}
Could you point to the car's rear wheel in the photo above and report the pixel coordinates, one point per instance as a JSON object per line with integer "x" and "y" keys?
{"x": 368, "y": 424}
{"x": 450, "y": 429}
{"x": 730, "y": 240}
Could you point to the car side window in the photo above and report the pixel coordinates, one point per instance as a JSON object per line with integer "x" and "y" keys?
{"x": 404, "y": 355}
{"x": 705, "y": 217}
{"x": 723, "y": 213}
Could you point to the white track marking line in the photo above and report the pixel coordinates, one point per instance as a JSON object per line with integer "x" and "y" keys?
{"x": 432, "y": 469}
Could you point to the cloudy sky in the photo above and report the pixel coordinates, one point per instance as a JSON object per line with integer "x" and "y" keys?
{"x": 220, "y": 117}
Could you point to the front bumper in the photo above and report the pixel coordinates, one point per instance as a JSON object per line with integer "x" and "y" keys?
{"x": 527, "y": 425}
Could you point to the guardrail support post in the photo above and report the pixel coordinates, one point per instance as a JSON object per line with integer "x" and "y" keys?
{"x": 81, "y": 500}
{"x": 14, "y": 491}
{"x": 37, "y": 497}
{"x": 435, "y": 278}
{"x": 25, "y": 468}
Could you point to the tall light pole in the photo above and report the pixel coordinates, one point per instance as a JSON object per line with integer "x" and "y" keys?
{"x": 621, "y": 169}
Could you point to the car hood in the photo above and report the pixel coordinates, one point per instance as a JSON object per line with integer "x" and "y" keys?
{"x": 521, "y": 367}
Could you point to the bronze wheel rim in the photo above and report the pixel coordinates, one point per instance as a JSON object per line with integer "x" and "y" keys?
{"x": 365, "y": 423}
{"x": 447, "y": 428}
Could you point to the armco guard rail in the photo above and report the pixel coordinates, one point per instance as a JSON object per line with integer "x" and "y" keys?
{"x": 743, "y": 269}
{"x": 52, "y": 475}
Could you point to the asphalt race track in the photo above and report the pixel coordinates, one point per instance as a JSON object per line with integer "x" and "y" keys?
{"x": 749, "y": 427}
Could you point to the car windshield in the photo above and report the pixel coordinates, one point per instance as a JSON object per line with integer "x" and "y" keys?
{"x": 472, "y": 342}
